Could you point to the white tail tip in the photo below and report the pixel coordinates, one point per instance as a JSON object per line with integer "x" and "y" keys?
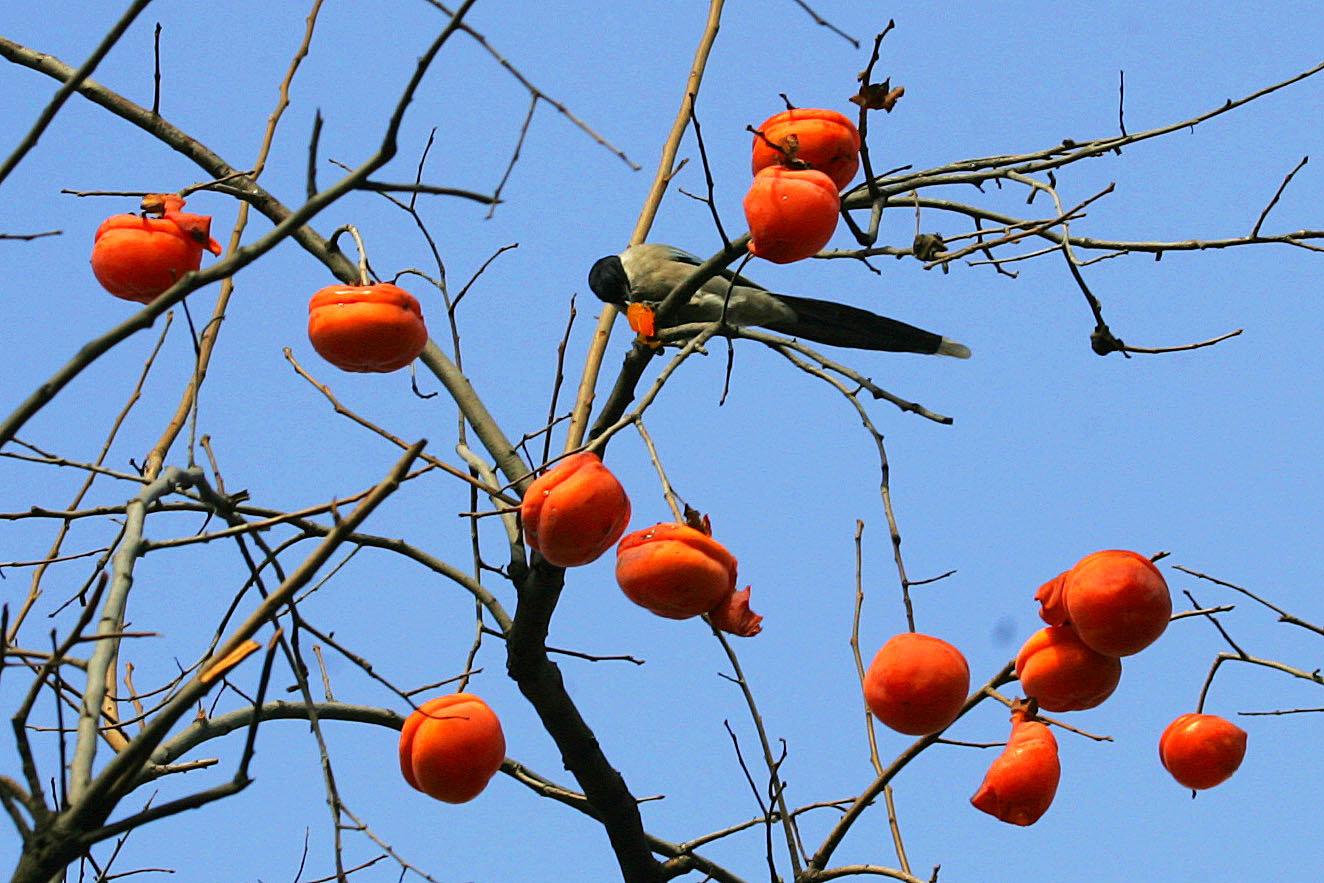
{"x": 949, "y": 347}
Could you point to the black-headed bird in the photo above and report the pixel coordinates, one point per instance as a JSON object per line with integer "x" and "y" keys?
{"x": 643, "y": 275}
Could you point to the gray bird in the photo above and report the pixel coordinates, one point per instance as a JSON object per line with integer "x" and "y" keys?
{"x": 645, "y": 274}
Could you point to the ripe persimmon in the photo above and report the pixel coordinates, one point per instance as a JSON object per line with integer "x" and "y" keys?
{"x": 451, "y": 746}
{"x": 674, "y": 570}
{"x": 1116, "y": 600}
{"x": 917, "y": 684}
{"x": 575, "y": 511}
{"x": 791, "y": 213}
{"x": 137, "y": 257}
{"x": 821, "y": 139}
{"x": 1058, "y": 669}
{"x": 366, "y": 328}
{"x": 1202, "y": 750}
{"x": 1021, "y": 782}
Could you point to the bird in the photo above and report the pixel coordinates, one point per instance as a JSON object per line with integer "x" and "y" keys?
{"x": 640, "y": 277}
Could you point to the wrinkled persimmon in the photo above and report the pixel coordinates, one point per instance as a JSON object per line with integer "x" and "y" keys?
{"x": 917, "y": 684}
{"x": 1116, "y": 600}
{"x": 451, "y": 746}
{"x": 575, "y": 511}
{"x": 1021, "y": 782}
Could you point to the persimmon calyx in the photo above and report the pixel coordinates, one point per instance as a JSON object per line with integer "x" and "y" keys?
{"x": 160, "y": 204}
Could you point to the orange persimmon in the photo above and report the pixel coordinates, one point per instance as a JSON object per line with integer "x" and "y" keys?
{"x": 451, "y": 746}
{"x": 1202, "y": 750}
{"x": 1021, "y": 782}
{"x": 821, "y": 139}
{"x": 791, "y": 214}
{"x": 917, "y": 684}
{"x": 1116, "y": 600}
{"x": 137, "y": 257}
{"x": 366, "y": 328}
{"x": 1063, "y": 673}
{"x": 674, "y": 570}
{"x": 575, "y": 511}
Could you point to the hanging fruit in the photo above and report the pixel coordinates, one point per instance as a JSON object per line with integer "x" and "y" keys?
{"x": 138, "y": 257}
{"x": 917, "y": 684}
{"x": 678, "y": 571}
{"x": 821, "y": 139}
{"x": 451, "y": 746}
{"x": 791, "y": 213}
{"x": 1058, "y": 669}
{"x": 1116, "y": 600}
{"x": 1202, "y": 750}
{"x": 575, "y": 511}
{"x": 366, "y": 328}
{"x": 1021, "y": 782}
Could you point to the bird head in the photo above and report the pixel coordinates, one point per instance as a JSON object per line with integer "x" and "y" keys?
{"x": 609, "y": 282}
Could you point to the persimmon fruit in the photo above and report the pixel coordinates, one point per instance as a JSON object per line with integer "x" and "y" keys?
{"x": 1117, "y": 601}
{"x": 917, "y": 684}
{"x": 1202, "y": 750}
{"x": 575, "y": 511}
{"x": 822, "y": 139}
{"x": 1021, "y": 782}
{"x": 791, "y": 213}
{"x": 1057, "y": 668}
{"x": 366, "y": 328}
{"x": 674, "y": 570}
{"x": 451, "y": 746}
{"x": 138, "y": 257}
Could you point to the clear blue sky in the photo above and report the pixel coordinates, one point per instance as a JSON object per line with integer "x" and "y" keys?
{"x": 1212, "y": 455}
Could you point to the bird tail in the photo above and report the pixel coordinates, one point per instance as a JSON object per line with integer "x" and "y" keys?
{"x": 843, "y": 325}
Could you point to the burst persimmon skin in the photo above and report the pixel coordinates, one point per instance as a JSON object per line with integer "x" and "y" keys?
{"x": 451, "y": 746}
{"x": 366, "y": 328}
{"x": 1202, "y": 750}
{"x": 1063, "y": 673}
{"x": 137, "y": 258}
{"x": 1021, "y": 783}
{"x": 917, "y": 684}
{"x": 1117, "y": 601}
{"x": 824, "y": 139}
{"x": 575, "y": 511}
{"x": 674, "y": 570}
{"x": 791, "y": 213}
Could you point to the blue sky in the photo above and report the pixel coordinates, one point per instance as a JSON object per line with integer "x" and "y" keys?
{"x": 1211, "y": 455}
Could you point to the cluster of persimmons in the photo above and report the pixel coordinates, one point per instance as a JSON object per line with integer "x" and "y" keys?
{"x": 802, "y": 158}
{"x": 1110, "y": 605}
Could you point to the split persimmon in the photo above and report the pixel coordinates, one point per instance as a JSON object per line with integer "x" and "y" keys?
{"x": 1202, "y": 750}
{"x": 1021, "y": 782}
{"x": 821, "y": 139}
{"x": 678, "y": 572}
{"x": 1058, "y": 669}
{"x": 451, "y": 746}
{"x": 917, "y": 684}
{"x": 575, "y": 511}
{"x": 137, "y": 257}
{"x": 1116, "y": 600}
{"x": 366, "y": 328}
{"x": 791, "y": 213}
